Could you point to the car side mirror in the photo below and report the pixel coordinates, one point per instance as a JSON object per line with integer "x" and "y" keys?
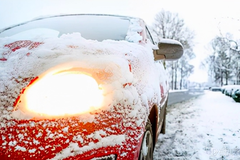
{"x": 168, "y": 49}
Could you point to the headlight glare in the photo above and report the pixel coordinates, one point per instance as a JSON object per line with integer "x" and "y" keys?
{"x": 62, "y": 94}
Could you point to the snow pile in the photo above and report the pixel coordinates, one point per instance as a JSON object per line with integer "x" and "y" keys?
{"x": 133, "y": 31}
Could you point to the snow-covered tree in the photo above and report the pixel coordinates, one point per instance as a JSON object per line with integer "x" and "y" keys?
{"x": 223, "y": 63}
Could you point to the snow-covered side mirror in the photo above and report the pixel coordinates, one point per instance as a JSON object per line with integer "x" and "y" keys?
{"x": 168, "y": 49}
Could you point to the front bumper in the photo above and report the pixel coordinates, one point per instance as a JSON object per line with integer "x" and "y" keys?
{"x": 111, "y": 133}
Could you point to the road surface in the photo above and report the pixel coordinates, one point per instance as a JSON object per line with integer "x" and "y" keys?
{"x": 180, "y": 96}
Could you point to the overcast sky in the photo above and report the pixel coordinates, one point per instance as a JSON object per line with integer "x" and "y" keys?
{"x": 203, "y": 17}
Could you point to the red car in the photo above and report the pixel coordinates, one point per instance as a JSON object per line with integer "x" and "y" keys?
{"x": 82, "y": 87}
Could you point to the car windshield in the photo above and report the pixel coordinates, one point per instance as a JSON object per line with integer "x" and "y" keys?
{"x": 90, "y": 27}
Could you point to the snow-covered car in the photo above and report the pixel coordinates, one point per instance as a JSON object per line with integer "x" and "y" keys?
{"x": 236, "y": 95}
{"x": 82, "y": 87}
{"x": 216, "y": 89}
{"x": 228, "y": 89}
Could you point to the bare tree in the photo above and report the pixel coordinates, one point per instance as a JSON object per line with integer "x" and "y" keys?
{"x": 169, "y": 25}
{"x": 185, "y": 68}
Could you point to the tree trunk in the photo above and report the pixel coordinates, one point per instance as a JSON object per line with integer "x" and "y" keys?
{"x": 172, "y": 75}
{"x": 181, "y": 78}
{"x": 175, "y": 74}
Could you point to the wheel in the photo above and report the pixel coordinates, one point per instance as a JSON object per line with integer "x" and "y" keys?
{"x": 146, "y": 152}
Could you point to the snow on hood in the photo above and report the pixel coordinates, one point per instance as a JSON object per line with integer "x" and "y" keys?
{"x": 134, "y": 76}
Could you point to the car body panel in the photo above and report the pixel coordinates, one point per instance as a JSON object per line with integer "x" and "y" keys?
{"x": 132, "y": 83}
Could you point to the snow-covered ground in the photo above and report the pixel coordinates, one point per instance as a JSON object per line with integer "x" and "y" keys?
{"x": 204, "y": 128}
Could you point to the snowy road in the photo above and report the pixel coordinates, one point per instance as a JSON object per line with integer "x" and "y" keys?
{"x": 180, "y": 96}
{"x": 205, "y": 128}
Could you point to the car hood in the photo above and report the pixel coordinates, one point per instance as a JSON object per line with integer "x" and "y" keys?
{"x": 128, "y": 68}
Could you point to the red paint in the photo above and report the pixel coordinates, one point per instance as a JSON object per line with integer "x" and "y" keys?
{"x": 33, "y": 80}
{"x": 129, "y": 84}
{"x": 106, "y": 121}
{"x": 22, "y": 44}
{"x": 22, "y": 91}
{"x": 18, "y": 45}
{"x": 3, "y": 59}
{"x": 130, "y": 67}
{"x": 16, "y": 101}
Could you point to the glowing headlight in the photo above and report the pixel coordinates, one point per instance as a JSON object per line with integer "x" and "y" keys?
{"x": 61, "y": 94}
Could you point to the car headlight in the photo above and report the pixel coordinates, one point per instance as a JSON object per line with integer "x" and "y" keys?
{"x": 62, "y": 94}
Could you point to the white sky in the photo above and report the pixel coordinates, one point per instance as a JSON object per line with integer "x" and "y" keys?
{"x": 204, "y": 17}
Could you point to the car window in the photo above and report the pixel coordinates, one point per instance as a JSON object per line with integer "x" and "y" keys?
{"x": 36, "y": 32}
{"x": 91, "y": 27}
